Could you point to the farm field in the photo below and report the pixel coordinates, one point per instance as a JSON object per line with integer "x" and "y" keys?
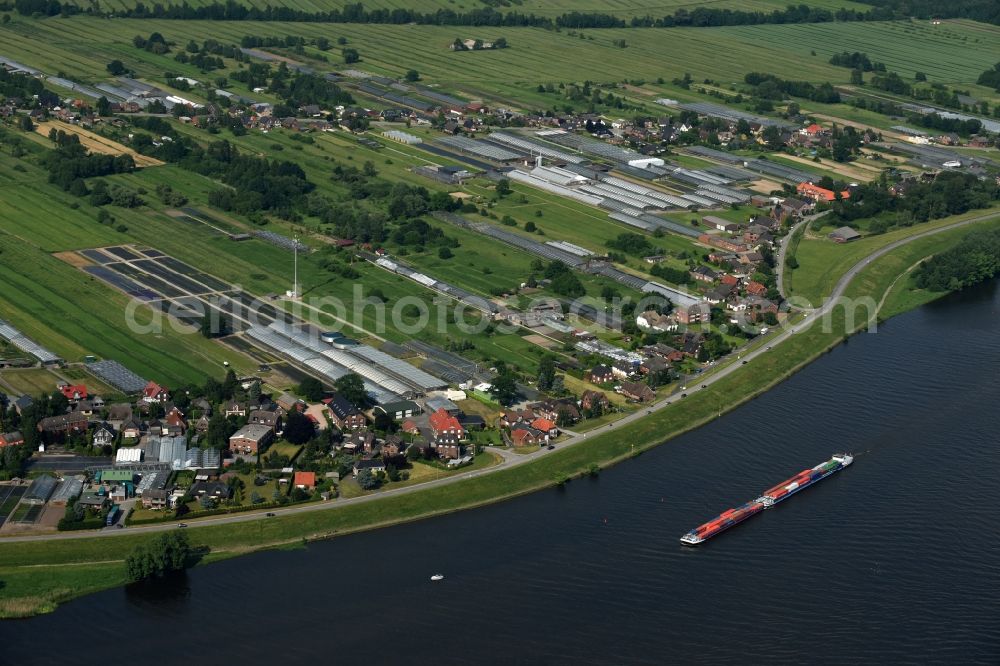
{"x": 822, "y": 262}
{"x": 96, "y": 143}
{"x": 954, "y": 52}
{"x": 621, "y": 8}
{"x": 32, "y": 381}
{"x": 948, "y": 55}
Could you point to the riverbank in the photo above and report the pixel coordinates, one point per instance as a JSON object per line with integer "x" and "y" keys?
{"x": 36, "y": 576}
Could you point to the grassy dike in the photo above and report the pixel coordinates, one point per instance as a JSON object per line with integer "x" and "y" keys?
{"x": 36, "y": 576}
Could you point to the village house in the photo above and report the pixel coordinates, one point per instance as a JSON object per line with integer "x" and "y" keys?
{"x": 251, "y": 439}
{"x": 344, "y": 415}
{"x": 704, "y": 274}
{"x": 546, "y": 427}
{"x": 373, "y": 466}
{"x": 64, "y": 424}
{"x": 156, "y": 499}
{"x": 844, "y": 235}
{"x": 664, "y": 351}
{"x": 447, "y": 446}
{"x": 693, "y": 314}
{"x": 654, "y": 320}
{"x": 393, "y": 446}
{"x": 154, "y": 393}
{"x": 73, "y": 392}
{"x": 755, "y": 288}
{"x": 12, "y": 438}
{"x": 304, "y": 480}
{"x": 234, "y": 408}
{"x": 444, "y": 424}
{"x": 601, "y": 374}
{"x": 217, "y": 490}
{"x": 267, "y": 417}
{"x": 556, "y": 410}
{"x": 624, "y": 369}
{"x": 132, "y": 429}
{"x": 638, "y": 392}
{"x": 512, "y": 417}
{"x": 289, "y": 402}
{"x": 104, "y": 435}
{"x": 722, "y": 243}
{"x": 817, "y": 193}
{"x": 359, "y": 441}
{"x": 525, "y": 435}
{"x": 118, "y": 414}
{"x": 594, "y": 400}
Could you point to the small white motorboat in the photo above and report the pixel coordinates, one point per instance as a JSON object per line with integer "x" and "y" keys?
{"x": 437, "y": 577}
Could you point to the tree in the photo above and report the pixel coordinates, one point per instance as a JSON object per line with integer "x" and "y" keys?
{"x": 168, "y": 552}
{"x": 530, "y": 227}
{"x": 546, "y": 373}
{"x": 298, "y": 428}
{"x": 504, "y": 388}
{"x": 503, "y": 187}
{"x": 352, "y": 388}
{"x": 219, "y": 430}
{"x": 312, "y": 389}
{"x": 366, "y": 480}
{"x": 412, "y": 76}
{"x": 384, "y": 422}
{"x": 351, "y": 56}
{"x": 116, "y": 67}
{"x": 445, "y": 252}
{"x": 24, "y": 123}
{"x": 103, "y": 106}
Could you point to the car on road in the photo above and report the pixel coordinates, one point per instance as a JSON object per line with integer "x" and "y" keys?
{"x": 768, "y": 349}
{"x": 182, "y": 525}
{"x": 271, "y": 515}
{"x": 550, "y": 447}
{"x": 684, "y": 395}
{"x": 704, "y": 386}
{"x": 744, "y": 362}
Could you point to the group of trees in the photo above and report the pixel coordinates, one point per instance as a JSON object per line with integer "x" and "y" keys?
{"x": 951, "y": 193}
{"x": 975, "y": 259}
{"x": 856, "y": 60}
{"x": 563, "y": 281}
{"x": 70, "y": 163}
{"x": 771, "y": 87}
{"x": 28, "y": 89}
{"x": 991, "y": 77}
{"x": 166, "y": 553}
{"x": 632, "y": 243}
{"x": 487, "y": 16}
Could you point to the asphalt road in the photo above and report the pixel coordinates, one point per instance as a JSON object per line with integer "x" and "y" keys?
{"x": 513, "y": 459}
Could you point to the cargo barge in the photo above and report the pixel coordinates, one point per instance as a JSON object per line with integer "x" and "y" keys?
{"x": 770, "y": 497}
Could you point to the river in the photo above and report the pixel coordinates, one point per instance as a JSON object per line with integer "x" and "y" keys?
{"x": 896, "y": 559}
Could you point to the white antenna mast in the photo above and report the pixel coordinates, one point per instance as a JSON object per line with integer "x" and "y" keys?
{"x": 295, "y": 267}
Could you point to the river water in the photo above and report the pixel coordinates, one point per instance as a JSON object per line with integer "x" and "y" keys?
{"x": 894, "y": 560}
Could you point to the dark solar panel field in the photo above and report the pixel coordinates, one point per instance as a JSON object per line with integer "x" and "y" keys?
{"x": 123, "y": 253}
{"x": 121, "y": 282}
{"x": 9, "y": 497}
{"x": 98, "y": 256}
